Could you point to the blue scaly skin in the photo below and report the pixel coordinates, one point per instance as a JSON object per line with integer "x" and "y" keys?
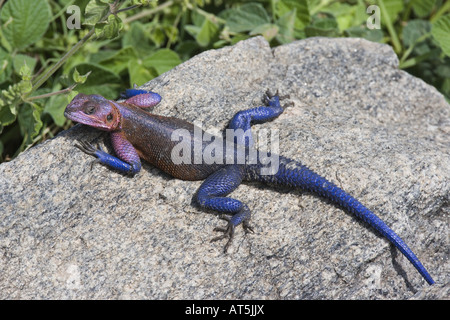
{"x": 136, "y": 133}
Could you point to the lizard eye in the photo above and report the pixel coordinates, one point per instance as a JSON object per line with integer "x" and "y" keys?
{"x": 109, "y": 117}
{"x": 89, "y": 109}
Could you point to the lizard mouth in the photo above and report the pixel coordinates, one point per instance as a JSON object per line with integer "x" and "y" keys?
{"x": 85, "y": 119}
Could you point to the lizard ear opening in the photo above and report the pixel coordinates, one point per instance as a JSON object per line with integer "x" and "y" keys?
{"x": 113, "y": 117}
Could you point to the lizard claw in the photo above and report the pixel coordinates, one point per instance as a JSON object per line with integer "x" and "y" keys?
{"x": 268, "y": 99}
{"x": 288, "y": 104}
{"x": 268, "y": 96}
{"x": 228, "y": 232}
{"x": 88, "y": 148}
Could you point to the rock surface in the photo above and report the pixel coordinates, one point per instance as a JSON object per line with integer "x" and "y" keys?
{"x": 69, "y": 232}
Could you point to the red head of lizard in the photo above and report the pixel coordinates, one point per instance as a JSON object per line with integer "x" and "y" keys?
{"x": 95, "y": 111}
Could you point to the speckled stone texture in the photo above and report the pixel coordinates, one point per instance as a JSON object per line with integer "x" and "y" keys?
{"x": 69, "y": 232}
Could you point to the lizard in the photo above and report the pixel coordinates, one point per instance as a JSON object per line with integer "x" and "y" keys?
{"x": 137, "y": 133}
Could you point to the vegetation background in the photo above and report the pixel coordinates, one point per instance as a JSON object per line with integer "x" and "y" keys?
{"x": 52, "y": 49}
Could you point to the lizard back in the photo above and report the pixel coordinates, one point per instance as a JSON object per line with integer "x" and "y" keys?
{"x": 155, "y": 140}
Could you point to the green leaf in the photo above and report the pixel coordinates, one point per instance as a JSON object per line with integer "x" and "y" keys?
{"x": 20, "y": 60}
{"x": 29, "y": 119}
{"x": 37, "y": 111}
{"x": 24, "y": 22}
{"x": 24, "y": 86}
{"x": 423, "y": 8}
{"x": 95, "y": 10}
{"x": 144, "y": 2}
{"x": 119, "y": 61}
{"x": 71, "y": 95}
{"x": 55, "y": 107}
{"x": 171, "y": 32}
{"x": 5, "y": 66}
{"x": 6, "y": 116}
{"x": 139, "y": 74}
{"x": 393, "y": 8}
{"x": 374, "y": 35}
{"x": 267, "y": 30}
{"x": 192, "y": 30}
{"x": 207, "y": 34}
{"x": 301, "y": 11}
{"x": 78, "y": 78}
{"x": 25, "y": 72}
{"x": 138, "y": 38}
{"x": 101, "y": 81}
{"x": 326, "y": 27}
{"x": 414, "y": 30}
{"x": 441, "y": 32}
{"x": 110, "y": 28}
{"x": 444, "y": 71}
{"x": 162, "y": 60}
{"x": 245, "y": 18}
{"x": 344, "y": 14}
{"x": 286, "y": 25}
{"x": 205, "y": 31}
{"x": 197, "y": 18}
{"x": 187, "y": 49}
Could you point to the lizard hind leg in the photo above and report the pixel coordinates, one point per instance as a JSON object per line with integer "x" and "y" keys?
{"x": 212, "y": 195}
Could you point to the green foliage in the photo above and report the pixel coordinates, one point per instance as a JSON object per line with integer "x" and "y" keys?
{"x": 441, "y": 32}
{"x": 24, "y": 22}
{"x": 44, "y": 62}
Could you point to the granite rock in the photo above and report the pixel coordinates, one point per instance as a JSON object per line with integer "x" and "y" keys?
{"x": 71, "y": 232}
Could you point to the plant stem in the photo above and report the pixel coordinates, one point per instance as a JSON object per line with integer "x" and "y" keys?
{"x": 415, "y": 60}
{"x": 69, "y": 53}
{"x": 148, "y": 12}
{"x": 411, "y": 48}
{"x": 52, "y": 93}
{"x": 56, "y": 66}
{"x": 394, "y": 38}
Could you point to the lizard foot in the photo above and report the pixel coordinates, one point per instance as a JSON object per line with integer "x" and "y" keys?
{"x": 88, "y": 148}
{"x": 268, "y": 96}
{"x": 228, "y": 231}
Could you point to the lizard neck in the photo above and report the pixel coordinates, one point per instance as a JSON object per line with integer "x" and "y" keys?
{"x": 117, "y": 116}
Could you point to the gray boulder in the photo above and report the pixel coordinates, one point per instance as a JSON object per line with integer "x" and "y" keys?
{"x": 71, "y": 232}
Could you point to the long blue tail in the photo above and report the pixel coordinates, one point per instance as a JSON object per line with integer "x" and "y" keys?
{"x": 292, "y": 173}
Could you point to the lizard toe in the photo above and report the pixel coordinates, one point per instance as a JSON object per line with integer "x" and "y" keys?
{"x": 228, "y": 232}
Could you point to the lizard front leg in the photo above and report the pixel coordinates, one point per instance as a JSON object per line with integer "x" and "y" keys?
{"x": 127, "y": 161}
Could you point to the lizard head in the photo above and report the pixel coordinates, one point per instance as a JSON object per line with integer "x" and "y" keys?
{"x": 93, "y": 110}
